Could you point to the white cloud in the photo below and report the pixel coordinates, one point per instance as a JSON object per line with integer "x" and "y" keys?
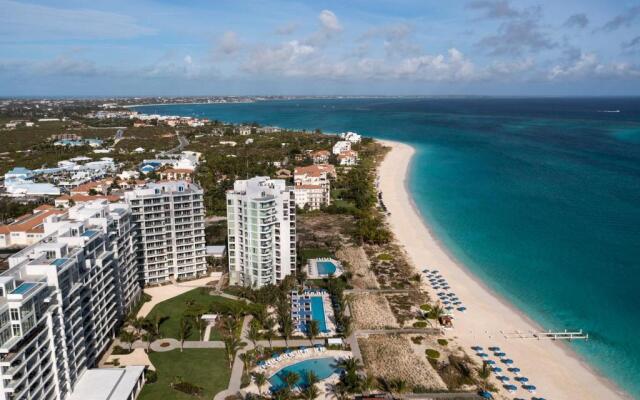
{"x": 286, "y": 29}
{"x": 588, "y": 66}
{"x": 229, "y": 43}
{"x": 283, "y": 59}
{"x": 452, "y": 67}
{"x": 329, "y": 21}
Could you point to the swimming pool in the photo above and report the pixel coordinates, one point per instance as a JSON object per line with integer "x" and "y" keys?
{"x": 23, "y": 288}
{"x": 325, "y": 267}
{"x": 317, "y": 313}
{"x": 322, "y": 367}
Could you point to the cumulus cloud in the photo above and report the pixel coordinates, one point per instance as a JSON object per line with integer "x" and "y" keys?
{"x": 31, "y": 21}
{"x": 494, "y": 9}
{"x": 452, "y": 67}
{"x": 577, "y": 21}
{"x": 623, "y": 20}
{"x": 285, "y": 59}
{"x": 329, "y": 21}
{"x": 396, "y": 39}
{"x": 229, "y": 43}
{"x": 519, "y": 33}
{"x": 588, "y": 66}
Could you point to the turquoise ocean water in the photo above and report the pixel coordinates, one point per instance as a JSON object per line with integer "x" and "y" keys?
{"x": 539, "y": 198}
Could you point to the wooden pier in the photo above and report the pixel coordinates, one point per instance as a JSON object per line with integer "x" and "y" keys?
{"x": 548, "y": 335}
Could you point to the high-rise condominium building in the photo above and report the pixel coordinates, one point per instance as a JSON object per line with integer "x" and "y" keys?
{"x": 170, "y": 221}
{"x": 261, "y": 219}
{"x": 61, "y": 299}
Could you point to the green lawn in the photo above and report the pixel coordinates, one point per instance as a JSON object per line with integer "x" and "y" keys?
{"x": 206, "y": 368}
{"x": 306, "y": 254}
{"x": 177, "y": 307}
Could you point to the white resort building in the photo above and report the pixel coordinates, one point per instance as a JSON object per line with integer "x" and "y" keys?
{"x": 61, "y": 299}
{"x": 261, "y": 220}
{"x": 313, "y": 186}
{"x": 170, "y": 219}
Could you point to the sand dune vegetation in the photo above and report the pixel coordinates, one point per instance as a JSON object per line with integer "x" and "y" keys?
{"x": 371, "y": 311}
{"x": 358, "y": 264}
{"x": 390, "y": 358}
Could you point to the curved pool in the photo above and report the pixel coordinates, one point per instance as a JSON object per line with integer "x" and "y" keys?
{"x": 322, "y": 367}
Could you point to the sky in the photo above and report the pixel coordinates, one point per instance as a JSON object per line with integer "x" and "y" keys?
{"x": 357, "y": 47}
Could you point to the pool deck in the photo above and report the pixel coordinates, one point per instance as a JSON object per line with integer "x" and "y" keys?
{"x": 271, "y": 370}
{"x": 313, "y": 271}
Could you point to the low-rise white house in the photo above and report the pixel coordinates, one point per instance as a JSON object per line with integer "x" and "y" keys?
{"x": 340, "y": 146}
{"x": 348, "y": 158}
{"x": 351, "y": 137}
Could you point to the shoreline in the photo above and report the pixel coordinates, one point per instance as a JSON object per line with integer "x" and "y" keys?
{"x": 571, "y": 378}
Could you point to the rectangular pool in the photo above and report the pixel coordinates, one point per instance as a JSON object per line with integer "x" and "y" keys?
{"x": 317, "y": 313}
{"x": 24, "y": 288}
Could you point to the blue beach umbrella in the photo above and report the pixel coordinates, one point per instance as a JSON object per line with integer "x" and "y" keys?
{"x": 503, "y": 378}
{"x": 494, "y": 348}
{"x": 529, "y": 388}
{"x": 514, "y": 370}
{"x": 446, "y": 287}
{"x": 496, "y": 369}
{"x": 521, "y": 379}
{"x": 476, "y": 348}
{"x": 449, "y": 308}
{"x": 510, "y": 388}
{"x": 499, "y": 354}
{"x": 490, "y": 362}
{"x": 483, "y": 355}
{"x": 507, "y": 361}
{"x": 462, "y": 309}
{"x": 425, "y": 270}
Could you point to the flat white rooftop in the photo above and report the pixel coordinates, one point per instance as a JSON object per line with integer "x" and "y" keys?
{"x": 107, "y": 383}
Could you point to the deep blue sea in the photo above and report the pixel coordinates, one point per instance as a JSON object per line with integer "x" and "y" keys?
{"x": 540, "y": 198}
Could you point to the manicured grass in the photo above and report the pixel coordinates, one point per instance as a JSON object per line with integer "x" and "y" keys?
{"x": 314, "y": 253}
{"x": 174, "y": 309}
{"x": 206, "y": 368}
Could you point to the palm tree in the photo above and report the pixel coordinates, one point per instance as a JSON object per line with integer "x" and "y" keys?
{"x": 247, "y": 359}
{"x": 231, "y": 344}
{"x": 156, "y": 320}
{"x": 198, "y": 322}
{"x": 230, "y": 325}
{"x": 351, "y": 379}
{"x": 127, "y": 337}
{"x": 436, "y": 312}
{"x": 400, "y": 386}
{"x": 148, "y": 337}
{"x": 311, "y": 377}
{"x": 269, "y": 335}
{"x": 260, "y": 379}
{"x": 290, "y": 379}
{"x": 184, "y": 329}
{"x": 312, "y": 330}
{"x": 254, "y": 331}
{"x": 138, "y": 324}
{"x": 287, "y": 329}
{"x": 301, "y": 277}
{"x": 310, "y": 392}
{"x": 340, "y": 391}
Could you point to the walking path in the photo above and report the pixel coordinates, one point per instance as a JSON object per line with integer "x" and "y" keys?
{"x": 161, "y": 293}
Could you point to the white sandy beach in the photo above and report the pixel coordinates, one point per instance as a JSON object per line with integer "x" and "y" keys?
{"x": 553, "y": 368}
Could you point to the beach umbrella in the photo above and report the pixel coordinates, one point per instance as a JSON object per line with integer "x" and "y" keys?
{"x": 499, "y": 354}
{"x": 442, "y": 294}
{"x": 261, "y": 363}
{"x": 490, "y": 362}
{"x": 482, "y": 355}
{"x": 287, "y": 351}
{"x": 522, "y": 379}
{"x": 485, "y": 395}
{"x": 510, "y": 388}
{"x": 457, "y": 303}
{"x": 529, "y": 388}
{"x": 449, "y": 308}
{"x": 446, "y": 287}
{"x": 507, "y": 361}
{"x": 515, "y": 370}
{"x": 494, "y": 348}
{"x": 496, "y": 369}
{"x": 476, "y": 348}
{"x": 503, "y": 378}
{"x": 435, "y": 271}
{"x": 462, "y": 309}
{"x": 425, "y": 270}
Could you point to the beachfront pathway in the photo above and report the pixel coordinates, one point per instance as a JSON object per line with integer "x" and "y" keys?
{"x": 171, "y": 344}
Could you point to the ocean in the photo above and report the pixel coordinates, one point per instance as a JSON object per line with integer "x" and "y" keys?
{"x": 538, "y": 197}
